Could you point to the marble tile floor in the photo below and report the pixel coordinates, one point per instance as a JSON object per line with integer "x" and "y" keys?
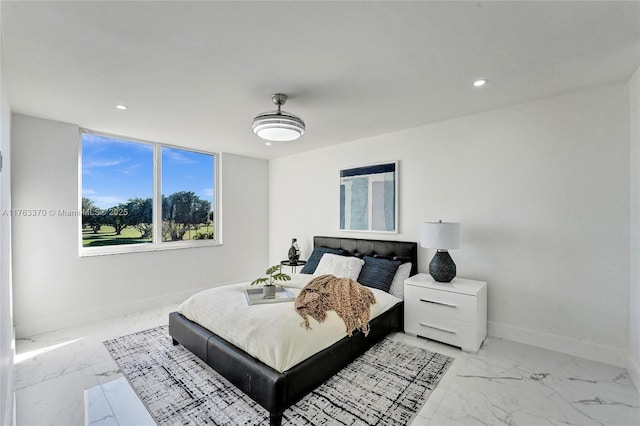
{"x": 67, "y": 378}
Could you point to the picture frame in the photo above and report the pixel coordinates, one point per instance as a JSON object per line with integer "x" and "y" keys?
{"x": 369, "y": 198}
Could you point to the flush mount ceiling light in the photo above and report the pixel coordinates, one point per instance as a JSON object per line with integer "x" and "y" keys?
{"x": 278, "y": 125}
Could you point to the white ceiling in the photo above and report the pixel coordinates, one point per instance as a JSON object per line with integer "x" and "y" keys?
{"x": 196, "y": 73}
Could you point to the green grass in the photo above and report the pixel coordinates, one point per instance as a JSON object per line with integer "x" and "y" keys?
{"x": 106, "y": 236}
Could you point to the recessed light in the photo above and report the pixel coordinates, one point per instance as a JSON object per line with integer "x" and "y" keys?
{"x": 480, "y": 83}
{"x": 121, "y": 106}
{"x": 267, "y": 143}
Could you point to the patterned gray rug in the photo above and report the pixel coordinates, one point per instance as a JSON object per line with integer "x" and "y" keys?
{"x": 385, "y": 386}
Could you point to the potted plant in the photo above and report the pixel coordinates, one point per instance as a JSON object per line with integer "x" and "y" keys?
{"x": 274, "y": 274}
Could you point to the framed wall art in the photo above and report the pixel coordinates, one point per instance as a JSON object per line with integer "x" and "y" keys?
{"x": 369, "y": 198}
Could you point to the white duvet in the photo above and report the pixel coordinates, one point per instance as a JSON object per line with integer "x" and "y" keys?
{"x": 271, "y": 332}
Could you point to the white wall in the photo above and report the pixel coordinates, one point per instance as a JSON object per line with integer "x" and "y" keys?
{"x": 542, "y": 193}
{"x": 7, "y": 347}
{"x": 634, "y": 282}
{"x": 56, "y": 288}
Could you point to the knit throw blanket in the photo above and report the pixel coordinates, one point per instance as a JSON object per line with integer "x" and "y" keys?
{"x": 348, "y": 298}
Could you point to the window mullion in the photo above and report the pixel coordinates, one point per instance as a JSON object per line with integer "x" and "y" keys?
{"x": 157, "y": 194}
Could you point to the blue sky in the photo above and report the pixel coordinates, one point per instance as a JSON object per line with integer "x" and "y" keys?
{"x": 113, "y": 171}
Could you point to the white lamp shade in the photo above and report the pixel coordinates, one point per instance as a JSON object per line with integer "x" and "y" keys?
{"x": 440, "y": 235}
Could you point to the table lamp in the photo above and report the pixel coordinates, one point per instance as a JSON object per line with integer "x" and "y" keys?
{"x": 441, "y": 236}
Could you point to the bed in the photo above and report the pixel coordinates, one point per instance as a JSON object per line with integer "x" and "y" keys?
{"x": 275, "y": 390}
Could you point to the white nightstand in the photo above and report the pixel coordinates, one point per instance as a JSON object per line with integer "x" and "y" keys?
{"x": 453, "y": 313}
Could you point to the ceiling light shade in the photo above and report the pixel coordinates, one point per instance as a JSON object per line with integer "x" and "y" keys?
{"x": 278, "y": 125}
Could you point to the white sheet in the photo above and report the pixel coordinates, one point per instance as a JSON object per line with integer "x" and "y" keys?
{"x": 270, "y": 332}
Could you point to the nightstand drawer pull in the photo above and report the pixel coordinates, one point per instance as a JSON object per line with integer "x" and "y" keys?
{"x": 438, "y": 303}
{"x": 437, "y": 328}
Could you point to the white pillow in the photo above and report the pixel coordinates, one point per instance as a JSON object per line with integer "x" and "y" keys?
{"x": 340, "y": 266}
{"x": 397, "y": 285}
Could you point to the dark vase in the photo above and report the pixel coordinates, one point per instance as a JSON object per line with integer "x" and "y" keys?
{"x": 442, "y": 268}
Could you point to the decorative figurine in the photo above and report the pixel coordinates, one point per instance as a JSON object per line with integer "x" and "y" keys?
{"x": 294, "y": 252}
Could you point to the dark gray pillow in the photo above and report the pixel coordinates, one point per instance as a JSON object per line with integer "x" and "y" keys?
{"x": 315, "y": 257}
{"x": 378, "y": 273}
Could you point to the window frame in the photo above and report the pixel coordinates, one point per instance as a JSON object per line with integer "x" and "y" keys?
{"x": 156, "y": 244}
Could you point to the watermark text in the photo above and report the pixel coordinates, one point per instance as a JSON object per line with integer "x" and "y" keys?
{"x": 114, "y": 211}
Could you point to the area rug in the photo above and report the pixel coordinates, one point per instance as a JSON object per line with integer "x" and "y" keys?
{"x": 385, "y": 386}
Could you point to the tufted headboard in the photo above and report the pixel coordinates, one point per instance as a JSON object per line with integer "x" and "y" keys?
{"x": 405, "y": 251}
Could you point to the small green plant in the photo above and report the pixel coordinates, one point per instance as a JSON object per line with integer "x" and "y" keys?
{"x": 274, "y": 274}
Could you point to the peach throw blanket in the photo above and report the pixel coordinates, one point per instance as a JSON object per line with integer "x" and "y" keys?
{"x": 348, "y": 298}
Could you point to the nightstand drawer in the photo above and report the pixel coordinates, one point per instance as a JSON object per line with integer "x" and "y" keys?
{"x": 447, "y": 330}
{"x": 442, "y": 303}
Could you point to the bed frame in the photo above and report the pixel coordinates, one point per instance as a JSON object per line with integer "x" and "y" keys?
{"x": 277, "y": 391}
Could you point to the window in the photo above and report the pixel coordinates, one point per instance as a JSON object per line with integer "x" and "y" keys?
{"x": 187, "y": 195}
{"x": 138, "y": 196}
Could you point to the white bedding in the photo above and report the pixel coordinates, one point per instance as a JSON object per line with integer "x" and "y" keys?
{"x": 270, "y": 332}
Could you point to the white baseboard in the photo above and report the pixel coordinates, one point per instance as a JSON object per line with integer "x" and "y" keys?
{"x": 552, "y": 342}
{"x": 634, "y": 372}
{"x": 44, "y": 325}
{"x": 566, "y": 345}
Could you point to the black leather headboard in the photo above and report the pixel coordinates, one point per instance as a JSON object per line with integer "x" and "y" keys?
{"x": 404, "y": 251}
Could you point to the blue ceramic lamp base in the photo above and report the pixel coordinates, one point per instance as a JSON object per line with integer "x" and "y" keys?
{"x": 442, "y": 268}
